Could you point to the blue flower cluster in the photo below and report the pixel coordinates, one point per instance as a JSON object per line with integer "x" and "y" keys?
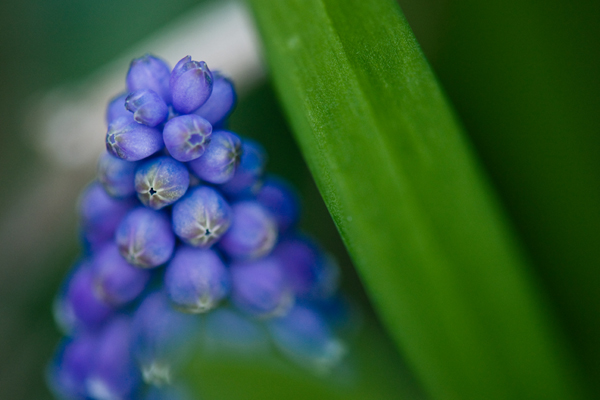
{"x": 183, "y": 220}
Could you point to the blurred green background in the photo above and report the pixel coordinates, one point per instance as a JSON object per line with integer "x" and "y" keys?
{"x": 523, "y": 76}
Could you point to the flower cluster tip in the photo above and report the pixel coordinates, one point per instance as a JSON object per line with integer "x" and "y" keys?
{"x": 184, "y": 231}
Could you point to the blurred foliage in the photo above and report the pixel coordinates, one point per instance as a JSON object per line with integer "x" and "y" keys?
{"x": 523, "y": 76}
{"x": 424, "y": 231}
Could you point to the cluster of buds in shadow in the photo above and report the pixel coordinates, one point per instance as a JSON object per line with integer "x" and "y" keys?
{"x": 187, "y": 243}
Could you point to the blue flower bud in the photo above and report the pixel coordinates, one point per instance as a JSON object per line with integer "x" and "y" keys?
{"x": 100, "y": 215}
{"x": 114, "y": 374}
{"x": 304, "y": 336}
{"x": 68, "y": 371}
{"x": 149, "y": 72}
{"x": 116, "y": 175}
{"x": 201, "y": 217}
{"x": 230, "y": 330}
{"x": 131, "y": 141}
{"x": 187, "y": 137}
{"x": 162, "y": 338}
{"x": 161, "y": 181}
{"x": 280, "y": 198}
{"x": 221, "y": 158}
{"x": 89, "y": 310}
{"x": 252, "y": 234}
{"x": 145, "y": 238}
{"x": 311, "y": 273}
{"x": 191, "y": 84}
{"x": 259, "y": 288}
{"x": 196, "y": 279}
{"x": 115, "y": 280}
{"x": 116, "y": 108}
{"x": 246, "y": 181}
{"x": 221, "y": 101}
{"x": 147, "y": 106}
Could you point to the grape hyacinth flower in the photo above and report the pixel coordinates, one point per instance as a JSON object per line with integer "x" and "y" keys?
{"x": 311, "y": 273}
{"x": 259, "y": 288}
{"x": 114, "y": 374}
{"x": 147, "y": 106}
{"x": 71, "y": 366}
{"x": 220, "y": 160}
{"x": 116, "y": 281}
{"x": 196, "y": 279}
{"x": 221, "y": 101}
{"x": 304, "y": 335}
{"x": 201, "y": 217}
{"x": 161, "y": 181}
{"x": 252, "y": 234}
{"x": 100, "y": 215}
{"x": 277, "y": 196}
{"x": 247, "y": 180}
{"x": 131, "y": 141}
{"x": 145, "y": 238}
{"x": 162, "y": 338}
{"x": 88, "y": 310}
{"x": 195, "y": 228}
{"x": 149, "y": 72}
{"x": 116, "y": 175}
{"x": 116, "y": 108}
{"x": 191, "y": 84}
{"x": 187, "y": 137}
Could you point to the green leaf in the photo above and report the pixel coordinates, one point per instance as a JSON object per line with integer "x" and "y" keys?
{"x": 530, "y": 102}
{"x": 424, "y": 229}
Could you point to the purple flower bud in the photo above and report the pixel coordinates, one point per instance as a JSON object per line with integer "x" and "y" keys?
{"x": 221, "y": 158}
{"x": 115, "y": 280}
{"x": 304, "y": 336}
{"x": 227, "y": 329}
{"x": 116, "y": 108}
{"x": 145, "y": 238}
{"x": 201, "y": 217}
{"x": 116, "y": 175}
{"x": 187, "y": 137}
{"x": 280, "y": 198}
{"x": 196, "y": 279}
{"x": 221, "y": 101}
{"x": 131, "y": 141}
{"x": 252, "y": 234}
{"x": 72, "y": 363}
{"x": 90, "y": 312}
{"x": 147, "y": 106}
{"x": 114, "y": 374}
{"x": 246, "y": 181}
{"x": 100, "y": 214}
{"x": 161, "y": 181}
{"x": 191, "y": 84}
{"x": 259, "y": 288}
{"x": 150, "y": 72}
{"x": 311, "y": 273}
{"x": 162, "y": 338}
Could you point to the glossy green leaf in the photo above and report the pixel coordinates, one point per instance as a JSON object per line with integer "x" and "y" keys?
{"x": 409, "y": 199}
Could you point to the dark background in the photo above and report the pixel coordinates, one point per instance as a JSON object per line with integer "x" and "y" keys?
{"x": 523, "y": 76}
